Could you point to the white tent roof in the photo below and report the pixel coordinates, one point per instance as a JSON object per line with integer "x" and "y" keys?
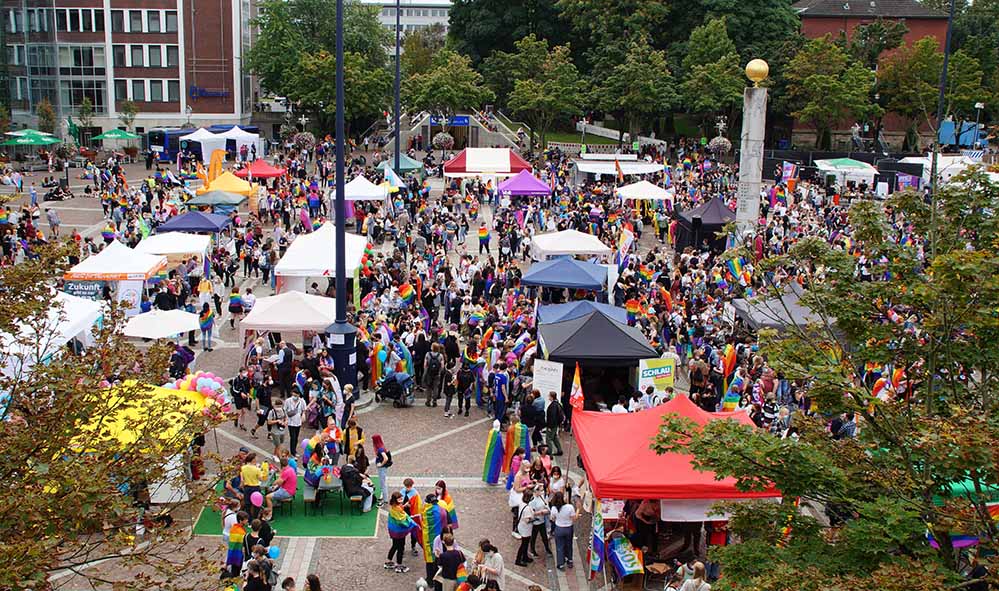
{"x": 644, "y": 190}
{"x": 117, "y": 262}
{"x": 947, "y": 166}
{"x": 174, "y": 243}
{"x": 361, "y": 189}
{"x": 238, "y": 134}
{"x": 69, "y": 317}
{"x": 611, "y": 157}
{"x": 160, "y": 324}
{"x": 570, "y": 242}
{"x": 200, "y": 134}
{"x": 853, "y": 170}
{"x": 290, "y": 311}
{"x": 312, "y": 255}
{"x": 610, "y": 168}
{"x": 208, "y": 140}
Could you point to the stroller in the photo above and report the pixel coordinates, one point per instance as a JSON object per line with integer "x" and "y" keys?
{"x": 398, "y": 387}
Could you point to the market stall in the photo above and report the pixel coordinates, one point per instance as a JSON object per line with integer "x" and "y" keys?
{"x": 702, "y": 224}
{"x": 314, "y": 255}
{"x": 175, "y": 246}
{"x": 118, "y": 266}
{"x": 406, "y": 164}
{"x": 260, "y": 169}
{"x": 567, "y": 242}
{"x": 229, "y": 182}
{"x": 291, "y": 311}
{"x": 847, "y": 170}
{"x": 644, "y": 190}
{"x": 69, "y": 318}
{"x": 566, "y": 273}
{"x": 195, "y": 221}
{"x": 524, "y": 184}
{"x": 361, "y": 189}
{"x": 560, "y": 312}
{"x": 217, "y": 199}
{"x": 485, "y": 162}
{"x": 208, "y": 141}
{"x": 594, "y": 339}
{"x": 161, "y": 324}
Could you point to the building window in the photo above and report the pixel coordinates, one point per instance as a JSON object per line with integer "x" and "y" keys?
{"x": 73, "y": 92}
{"x": 121, "y": 90}
{"x": 99, "y": 20}
{"x": 117, "y": 21}
{"x": 153, "y": 21}
{"x": 171, "y": 21}
{"x": 138, "y": 90}
{"x": 134, "y": 21}
{"x": 173, "y": 56}
{"x": 42, "y": 88}
{"x": 137, "y": 61}
{"x": 118, "y": 55}
{"x": 74, "y": 20}
{"x": 61, "y": 21}
{"x": 41, "y": 60}
{"x": 87, "y": 20}
{"x": 173, "y": 90}
{"x": 155, "y": 57}
{"x": 81, "y": 61}
{"x": 156, "y": 91}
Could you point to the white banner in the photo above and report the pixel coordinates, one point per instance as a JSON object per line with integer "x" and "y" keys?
{"x": 547, "y": 377}
{"x": 130, "y": 296}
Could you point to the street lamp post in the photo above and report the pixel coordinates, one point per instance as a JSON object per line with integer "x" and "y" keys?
{"x": 340, "y": 334}
{"x": 398, "y": 82}
{"x": 978, "y": 118}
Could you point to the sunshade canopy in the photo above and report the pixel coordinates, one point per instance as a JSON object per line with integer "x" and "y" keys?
{"x": 595, "y": 339}
{"x": 361, "y": 189}
{"x": 217, "y": 198}
{"x": 314, "y": 255}
{"x": 160, "y": 324}
{"x": 68, "y": 317}
{"x": 644, "y": 190}
{"x": 174, "y": 243}
{"x": 630, "y": 469}
{"x": 291, "y": 311}
{"x": 524, "y": 184}
{"x": 561, "y": 312}
{"x": 406, "y": 164}
{"x": 227, "y": 181}
{"x": 194, "y": 221}
{"x": 485, "y": 161}
{"x": 29, "y": 131}
{"x": 777, "y": 312}
{"x": 117, "y": 262}
{"x": 117, "y": 134}
{"x": 712, "y": 213}
{"x": 259, "y": 169}
{"x": 610, "y": 167}
{"x": 567, "y": 273}
{"x": 571, "y": 242}
{"x": 31, "y": 140}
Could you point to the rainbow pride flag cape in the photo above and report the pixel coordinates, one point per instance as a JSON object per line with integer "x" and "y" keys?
{"x": 447, "y": 501}
{"x": 399, "y": 523}
{"x": 492, "y": 464}
{"x": 407, "y": 293}
{"x": 234, "y": 551}
{"x": 517, "y": 435}
{"x": 434, "y": 521}
{"x": 483, "y": 235}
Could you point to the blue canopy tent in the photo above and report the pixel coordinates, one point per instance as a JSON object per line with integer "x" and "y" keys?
{"x": 562, "y": 312}
{"x": 566, "y": 273}
{"x": 195, "y": 221}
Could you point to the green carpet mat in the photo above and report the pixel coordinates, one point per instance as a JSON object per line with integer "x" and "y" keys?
{"x": 329, "y": 523}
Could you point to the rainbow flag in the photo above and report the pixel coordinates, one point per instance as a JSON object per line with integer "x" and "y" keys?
{"x": 517, "y": 435}
{"x": 735, "y": 266}
{"x": 596, "y": 551}
{"x": 452, "y": 514}
{"x": 234, "y": 551}
{"x": 407, "y": 293}
{"x": 483, "y": 235}
{"x": 633, "y": 308}
{"x": 367, "y": 300}
{"x": 108, "y": 233}
{"x": 475, "y": 318}
{"x": 461, "y": 575}
{"x": 235, "y": 299}
{"x": 377, "y": 367}
{"x": 434, "y": 521}
{"x": 487, "y": 339}
{"x": 627, "y": 560}
{"x": 645, "y": 273}
{"x": 492, "y": 464}
{"x": 399, "y": 523}
{"x": 956, "y": 540}
{"x": 206, "y": 319}
{"x": 667, "y": 298}
{"x": 728, "y": 362}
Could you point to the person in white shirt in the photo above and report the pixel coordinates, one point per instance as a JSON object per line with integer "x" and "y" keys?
{"x": 619, "y": 407}
{"x": 248, "y": 300}
{"x": 295, "y": 407}
{"x": 564, "y": 516}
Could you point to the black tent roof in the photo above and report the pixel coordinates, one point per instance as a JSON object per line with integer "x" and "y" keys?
{"x": 712, "y": 213}
{"x": 776, "y": 312}
{"x": 595, "y": 338}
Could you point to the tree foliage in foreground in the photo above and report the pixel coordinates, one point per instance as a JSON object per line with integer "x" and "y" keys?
{"x": 68, "y": 486}
{"x": 449, "y": 86}
{"x": 926, "y": 457}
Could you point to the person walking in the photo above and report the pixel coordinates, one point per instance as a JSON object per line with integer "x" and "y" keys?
{"x": 564, "y": 515}
{"x": 277, "y": 425}
{"x": 433, "y": 367}
{"x": 400, "y": 525}
{"x": 383, "y": 461}
{"x": 554, "y": 417}
{"x": 206, "y": 320}
{"x": 524, "y": 528}
{"x": 295, "y": 407}
{"x": 235, "y": 306}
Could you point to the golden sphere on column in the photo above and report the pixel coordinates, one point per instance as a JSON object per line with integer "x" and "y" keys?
{"x": 757, "y": 70}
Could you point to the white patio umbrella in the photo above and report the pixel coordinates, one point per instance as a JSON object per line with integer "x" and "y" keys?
{"x": 160, "y": 324}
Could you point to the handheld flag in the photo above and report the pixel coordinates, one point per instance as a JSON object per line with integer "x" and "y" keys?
{"x": 576, "y": 395}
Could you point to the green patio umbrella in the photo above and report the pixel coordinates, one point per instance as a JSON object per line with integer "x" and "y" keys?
{"x": 28, "y": 132}
{"x": 31, "y": 140}
{"x": 117, "y": 134}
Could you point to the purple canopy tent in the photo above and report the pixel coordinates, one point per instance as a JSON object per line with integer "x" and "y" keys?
{"x": 524, "y": 184}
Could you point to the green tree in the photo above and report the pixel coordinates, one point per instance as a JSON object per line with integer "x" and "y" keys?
{"x": 501, "y": 69}
{"x": 451, "y": 85}
{"x": 555, "y": 91}
{"x": 478, "y": 28}
{"x": 419, "y": 47}
{"x": 366, "y": 89}
{"x": 72, "y": 491}
{"x": 757, "y": 27}
{"x": 637, "y": 89}
{"x": 713, "y": 81}
{"x": 825, "y": 88}
{"x": 924, "y": 456}
{"x": 869, "y": 42}
{"x": 46, "y": 116}
{"x": 127, "y": 113}
{"x": 4, "y": 119}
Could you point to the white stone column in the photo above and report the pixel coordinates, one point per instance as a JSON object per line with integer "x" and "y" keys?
{"x": 754, "y": 120}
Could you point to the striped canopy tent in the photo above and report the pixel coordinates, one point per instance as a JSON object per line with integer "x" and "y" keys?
{"x": 485, "y": 162}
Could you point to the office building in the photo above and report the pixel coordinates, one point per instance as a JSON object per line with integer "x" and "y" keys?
{"x": 415, "y": 14}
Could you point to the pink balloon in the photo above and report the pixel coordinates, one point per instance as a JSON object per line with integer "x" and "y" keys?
{"x": 257, "y": 499}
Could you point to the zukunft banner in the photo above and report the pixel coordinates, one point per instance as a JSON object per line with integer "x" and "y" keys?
{"x": 658, "y": 373}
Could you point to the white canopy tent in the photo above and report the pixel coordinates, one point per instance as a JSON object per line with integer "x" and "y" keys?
{"x": 175, "y": 245}
{"x": 117, "y": 262}
{"x": 69, "y": 317}
{"x": 610, "y": 157}
{"x": 208, "y": 140}
{"x": 291, "y": 311}
{"x": 361, "y": 189}
{"x": 947, "y": 166}
{"x": 603, "y": 167}
{"x": 243, "y": 138}
{"x": 314, "y": 255}
{"x": 644, "y": 190}
{"x": 161, "y": 324}
{"x": 847, "y": 170}
{"x": 567, "y": 242}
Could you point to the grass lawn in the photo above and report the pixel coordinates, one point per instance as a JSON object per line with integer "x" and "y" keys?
{"x": 573, "y": 138}
{"x": 330, "y": 523}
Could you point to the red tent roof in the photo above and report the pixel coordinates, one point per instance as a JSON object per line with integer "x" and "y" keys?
{"x": 484, "y": 161}
{"x": 260, "y": 170}
{"x": 620, "y": 464}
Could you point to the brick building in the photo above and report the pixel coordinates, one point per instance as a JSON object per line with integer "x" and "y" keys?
{"x": 177, "y": 60}
{"x": 819, "y": 17}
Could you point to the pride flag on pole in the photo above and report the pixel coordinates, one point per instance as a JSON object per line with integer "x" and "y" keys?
{"x": 596, "y": 551}
{"x": 576, "y": 395}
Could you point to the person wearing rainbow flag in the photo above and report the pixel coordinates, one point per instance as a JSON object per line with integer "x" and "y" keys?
{"x": 400, "y": 525}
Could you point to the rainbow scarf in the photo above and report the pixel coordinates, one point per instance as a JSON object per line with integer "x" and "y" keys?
{"x": 234, "y": 552}
{"x": 407, "y": 293}
{"x": 483, "y": 235}
{"x": 434, "y": 520}
{"x": 452, "y": 514}
{"x": 235, "y": 300}
{"x": 206, "y": 319}
{"x": 399, "y": 523}
{"x": 492, "y": 464}
{"x": 475, "y": 318}
{"x": 517, "y": 435}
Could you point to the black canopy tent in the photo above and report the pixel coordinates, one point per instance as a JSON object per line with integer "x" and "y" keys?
{"x": 776, "y": 312}
{"x": 703, "y": 223}
{"x": 594, "y": 339}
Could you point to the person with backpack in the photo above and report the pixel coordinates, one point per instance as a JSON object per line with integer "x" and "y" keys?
{"x": 554, "y": 416}
{"x": 466, "y": 380}
{"x": 433, "y": 367}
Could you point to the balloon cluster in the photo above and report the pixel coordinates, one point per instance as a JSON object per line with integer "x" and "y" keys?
{"x": 369, "y": 254}
{"x": 204, "y": 383}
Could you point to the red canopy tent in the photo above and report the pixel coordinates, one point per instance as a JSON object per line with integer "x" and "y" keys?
{"x": 259, "y": 169}
{"x": 620, "y": 464}
{"x": 485, "y": 162}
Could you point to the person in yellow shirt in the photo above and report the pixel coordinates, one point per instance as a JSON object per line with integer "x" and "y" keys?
{"x": 352, "y": 437}
{"x": 250, "y": 475}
